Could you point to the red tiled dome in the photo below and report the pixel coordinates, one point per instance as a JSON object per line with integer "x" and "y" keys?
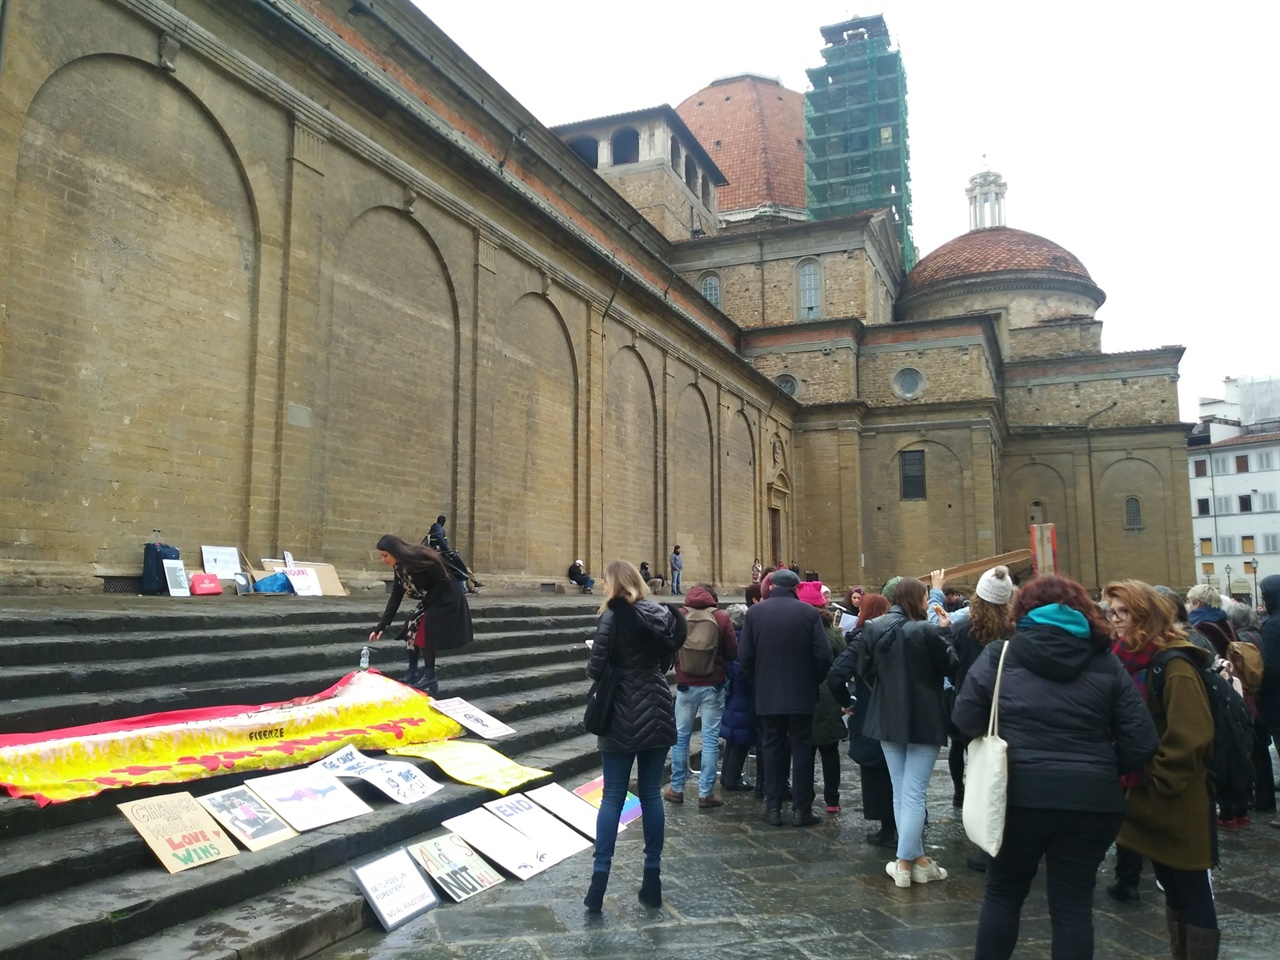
{"x": 753, "y": 128}
{"x": 992, "y": 250}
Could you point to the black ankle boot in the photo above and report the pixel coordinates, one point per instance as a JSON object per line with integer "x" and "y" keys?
{"x": 428, "y": 683}
{"x": 594, "y": 899}
{"x": 651, "y": 888}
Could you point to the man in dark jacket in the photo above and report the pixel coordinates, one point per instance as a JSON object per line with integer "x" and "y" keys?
{"x": 786, "y": 654}
{"x": 1269, "y": 694}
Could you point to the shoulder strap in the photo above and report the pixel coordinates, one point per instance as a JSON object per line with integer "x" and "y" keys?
{"x": 993, "y": 725}
{"x": 1160, "y": 664}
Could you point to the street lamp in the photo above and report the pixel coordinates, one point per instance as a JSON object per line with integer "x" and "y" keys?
{"x": 1256, "y": 598}
{"x": 1227, "y": 568}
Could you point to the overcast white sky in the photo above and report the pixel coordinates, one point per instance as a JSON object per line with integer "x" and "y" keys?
{"x": 1140, "y": 135}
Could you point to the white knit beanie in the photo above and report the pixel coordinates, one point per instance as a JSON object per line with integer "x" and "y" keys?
{"x": 995, "y": 586}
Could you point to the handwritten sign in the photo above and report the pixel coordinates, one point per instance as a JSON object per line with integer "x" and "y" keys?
{"x": 503, "y": 844}
{"x": 570, "y": 808}
{"x": 473, "y": 763}
{"x": 308, "y": 798}
{"x": 247, "y": 818}
{"x": 395, "y": 888}
{"x": 473, "y": 718}
{"x": 551, "y": 836}
{"x": 593, "y": 792}
{"x": 401, "y": 781}
{"x": 304, "y": 581}
{"x": 222, "y": 562}
{"x": 179, "y": 831}
{"x": 457, "y": 869}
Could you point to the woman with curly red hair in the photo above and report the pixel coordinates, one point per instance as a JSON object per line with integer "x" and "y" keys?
{"x": 1073, "y": 722}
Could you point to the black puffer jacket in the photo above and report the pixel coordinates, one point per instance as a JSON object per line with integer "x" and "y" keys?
{"x": 1269, "y": 695}
{"x": 642, "y": 647}
{"x": 904, "y": 662}
{"x": 1072, "y": 717}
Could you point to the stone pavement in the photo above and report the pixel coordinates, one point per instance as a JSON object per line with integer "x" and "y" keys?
{"x": 735, "y": 888}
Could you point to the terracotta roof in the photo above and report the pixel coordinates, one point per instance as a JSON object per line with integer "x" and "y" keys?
{"x": 753, "y": 127}
{"x": 992, "y": 250}
{"x": 1247, "y": 438}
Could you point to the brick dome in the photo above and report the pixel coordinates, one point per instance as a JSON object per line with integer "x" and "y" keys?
{"x": 992, "y": 250}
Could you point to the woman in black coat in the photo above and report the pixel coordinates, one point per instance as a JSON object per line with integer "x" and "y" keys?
{"x": 442, "y": 619}
{"x": 1073, "y": 722}
{"x": 638, "y": 637}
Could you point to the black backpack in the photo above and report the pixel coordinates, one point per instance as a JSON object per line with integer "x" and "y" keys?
{"x": 1231, "y": 763}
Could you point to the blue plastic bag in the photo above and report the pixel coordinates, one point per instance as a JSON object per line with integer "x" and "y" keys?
{"x": 276, "y": 583}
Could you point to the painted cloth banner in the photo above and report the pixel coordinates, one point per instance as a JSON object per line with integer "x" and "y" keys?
{"x": 363, "y": 709}
{"x": 472, "y": 763}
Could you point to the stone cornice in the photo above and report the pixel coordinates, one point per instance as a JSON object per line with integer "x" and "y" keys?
{"x": 1002, "y": 282}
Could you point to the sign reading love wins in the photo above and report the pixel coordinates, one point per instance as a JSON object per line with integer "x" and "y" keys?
{"x": 179, "y": 831}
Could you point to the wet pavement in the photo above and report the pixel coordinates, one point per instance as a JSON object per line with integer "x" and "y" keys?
{"x": 735, "y": 888}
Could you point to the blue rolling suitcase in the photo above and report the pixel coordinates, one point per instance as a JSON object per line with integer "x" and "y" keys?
{"x": 153, "y": 555}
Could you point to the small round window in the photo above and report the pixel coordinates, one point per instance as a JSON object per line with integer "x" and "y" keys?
{"x": 908, "y": 383}
{"x": 787, "y": 384}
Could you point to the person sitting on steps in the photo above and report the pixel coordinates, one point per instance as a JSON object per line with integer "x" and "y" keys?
{"x": 578, "y": 575}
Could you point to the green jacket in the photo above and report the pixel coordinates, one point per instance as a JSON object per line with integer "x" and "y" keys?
{"x": 828, "y": 718}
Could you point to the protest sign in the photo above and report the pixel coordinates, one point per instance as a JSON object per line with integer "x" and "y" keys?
{"x": 472, "y": 763}
{"x": 308, "y": 798}
{"x": 569, "y": 807}
{"x": 175, "y": 578}
{"x": 401, "y": 781}
{"x": 473, "y": 718}
{"x": 395, "y": 888}
{"x": 457, "y": 869}
{"x": 500, "y": 842}
{"x": 553, "y": 837}
{"x": 304, "y": 581}
{"x": 179, "y": 831}
{"x": 247, "y": 818}
{"x": 593, "y": 792}
{"x": 222, "y": 562}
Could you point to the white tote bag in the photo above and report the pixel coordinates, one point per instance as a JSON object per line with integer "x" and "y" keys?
{"x": 987, "y": 778}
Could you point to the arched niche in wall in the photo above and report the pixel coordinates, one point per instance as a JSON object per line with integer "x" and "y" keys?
{"x": 738, "y": 500}
{"x": 689, "y": 484}
{"x": 630, "y": 462}
{"x": 1037, "y": 490}
{"x": 1126, "y": 552}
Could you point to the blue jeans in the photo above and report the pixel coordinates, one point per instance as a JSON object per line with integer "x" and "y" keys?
{"x": 586, "y": 583}
{"x": 617, "y": 775}
{"x": 910, "y": 766}
{"x": 709, "y": 702}
{"x": 675, "y": 580}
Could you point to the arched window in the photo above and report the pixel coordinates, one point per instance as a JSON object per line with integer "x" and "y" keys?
{"x": 588, "y": 148}
{"x": 675, "y": 155}
{"x": 691, "y": 174}
{"x": 809, "y": 282}
{"x": 625, "y": 146}
{"x": 711, "y": 288}
{"x": 1132, "y": 513}
{"x": 706, "y": 191}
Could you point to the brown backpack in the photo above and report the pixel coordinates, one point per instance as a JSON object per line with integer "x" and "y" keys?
{"x": 697, "y": 658}
{"x": 1246, "y": 663}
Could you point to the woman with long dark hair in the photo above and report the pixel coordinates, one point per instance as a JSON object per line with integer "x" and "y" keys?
{"x": 1073, "y": 722}
{"x": 638, "y": 637}
{"x": 441, "y": 620}
{"x": 904, "y": 659}
{"x": 1170, "y": 812}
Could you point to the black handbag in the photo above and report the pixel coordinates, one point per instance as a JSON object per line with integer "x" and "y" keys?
{"x": 598, "y": 716}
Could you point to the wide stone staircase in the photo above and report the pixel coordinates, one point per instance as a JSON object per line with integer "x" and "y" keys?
{"x": 76, "y": 880}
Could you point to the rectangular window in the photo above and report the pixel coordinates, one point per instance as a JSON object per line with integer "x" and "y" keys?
{"x": 1202, "y": 507}
{"x": 1246, "y": 545}
{"x": 1206, "y": 546}
{"x": 1201, "y": 467}
{"x": 1266, "y": 460}
{"x": 1220, "y": 466}
{"x": 1221, "y": 505}
{"x": 1246, "y": 503}
{"x": 911, "y": 467}
{"x": 810, "y": 291}
{"x": 1206, "y": 569}
{"x": 1226, "y": 544}
{"x": 1271, "y": 543}
{"x": 1266, "y": 501}
{"x": 1242, "y": 463}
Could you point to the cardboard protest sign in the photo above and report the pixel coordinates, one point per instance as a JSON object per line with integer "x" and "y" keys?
{"x": 395, "y": 888}
{"x": 308, "y": 798}
{"x": 222, "y": 562}
{"x": 593, "y": 791}
{"x": 473, "y": 718}
{"x": 551, "y": 836}
{"x": 457, "y": 869}
{"x": 569, "y": 807}
{"x": 179, "y": 831}
{"x": 503, "y": 844}
{"x": 175, "y": 577}
{"x": 401, "y": 781}
{"x": 247, "y": 818}
{"x": 472, "y": 763}
{"x": 304, "y": 581}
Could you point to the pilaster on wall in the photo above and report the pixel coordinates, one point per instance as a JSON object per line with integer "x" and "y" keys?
{"x": 591, "y": 500}
{"x": 299, "y": 518}
{"x": 849, "y": 456}
{"x": 1085, "y": 491}
{"x": 983, "y": 512}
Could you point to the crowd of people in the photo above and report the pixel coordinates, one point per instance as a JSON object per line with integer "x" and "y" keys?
{"x": 1118, "y": 713}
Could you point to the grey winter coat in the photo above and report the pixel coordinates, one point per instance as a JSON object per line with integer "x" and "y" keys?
{"x": 642, "y": 647}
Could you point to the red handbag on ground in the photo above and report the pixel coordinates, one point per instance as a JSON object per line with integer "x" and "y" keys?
{"x": 205, "y": 584}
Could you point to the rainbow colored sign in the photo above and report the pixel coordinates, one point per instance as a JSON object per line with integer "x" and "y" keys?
{"x": 593, "y": 792}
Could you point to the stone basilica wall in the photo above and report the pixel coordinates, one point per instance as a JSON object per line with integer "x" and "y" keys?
{"x": 247, "y": 303}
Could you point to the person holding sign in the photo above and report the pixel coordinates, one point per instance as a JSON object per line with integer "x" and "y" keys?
{"x": 442, "y": 619}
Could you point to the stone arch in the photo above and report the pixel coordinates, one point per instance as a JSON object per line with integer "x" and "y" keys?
{"x": 738, "y": 500}
{"x": 631, "y": 462}
{"x": 1139, "y": 552}
{"x": 933, "y": 530}
{"x": 527, "y": 473}
{"x": 1040, "y": 482}
{"x": 135, "y": 249}
{"x": 391, "y": 404}
{"x": 691, "y": 479}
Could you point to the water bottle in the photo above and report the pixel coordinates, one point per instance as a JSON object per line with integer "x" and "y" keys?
{"x": 364, "y": 658}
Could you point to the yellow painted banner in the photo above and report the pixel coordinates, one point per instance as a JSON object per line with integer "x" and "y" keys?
{"x": 472, "y": 763}
{"x": 365, "y": 710}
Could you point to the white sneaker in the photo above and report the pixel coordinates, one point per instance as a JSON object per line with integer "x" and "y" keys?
{"x": 901, "y": 877}
{"x": 924, "y": 874}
